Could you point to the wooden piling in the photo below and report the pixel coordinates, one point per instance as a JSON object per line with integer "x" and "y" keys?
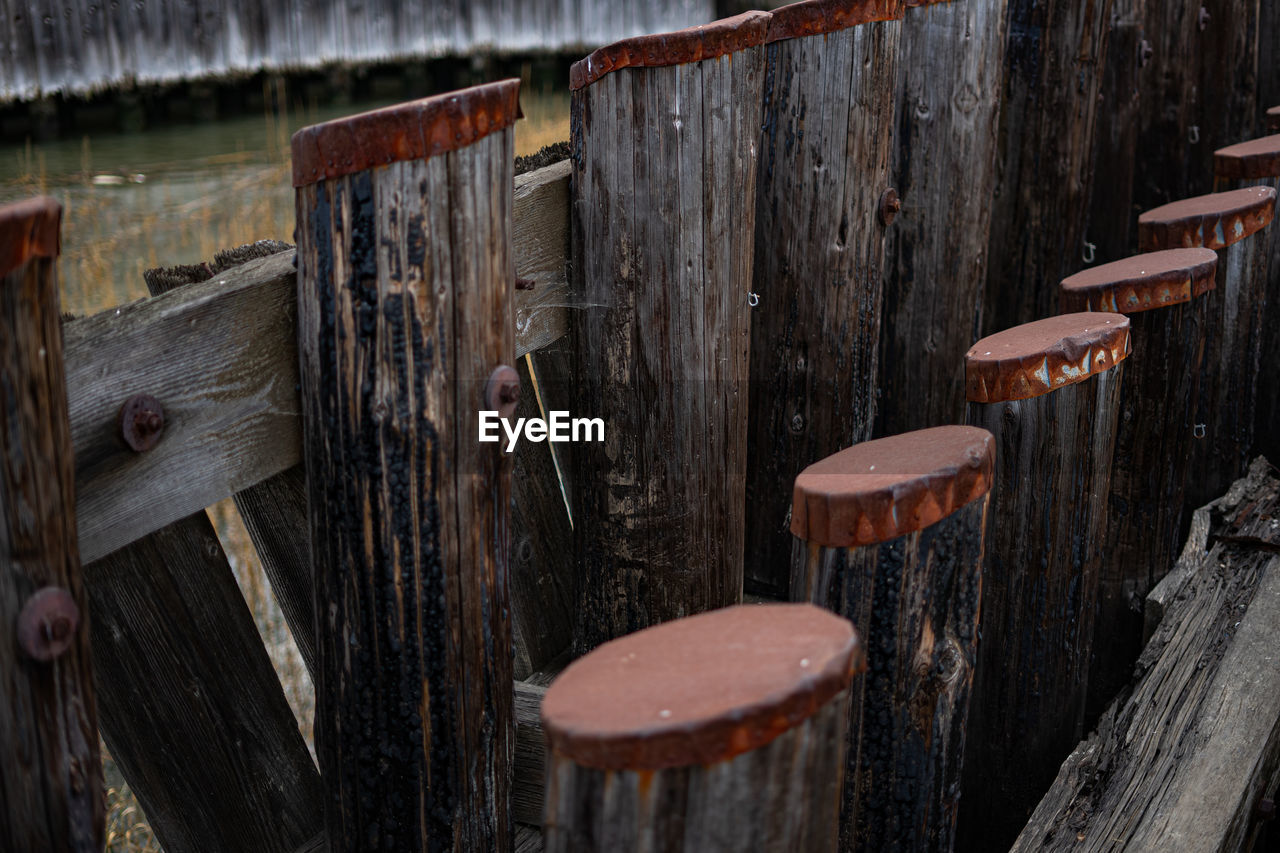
{"x": 890, "y": 535}
{"x": 1273, "y": 120}
{"x": 1163, "y": 295}
{"x": 663, "y": 187}
{"x": 1053, "y": 68}
{"x": 716, "y": 733}
{"x": 51, "y": 775}
{"x": 819, "y": 252}
{"x": 944, "y": 168}
{"x": 1229, "y": 382}
{"x": 1049, "y": 393}
{"x": 404, "y": 289}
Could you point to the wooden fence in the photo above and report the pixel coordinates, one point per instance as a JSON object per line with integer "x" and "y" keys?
{"x": 332, "y": 392}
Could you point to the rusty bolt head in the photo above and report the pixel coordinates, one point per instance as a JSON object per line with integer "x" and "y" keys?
{"x": 502, "y": 391}
{"x": 141, "y": 422}
{"x": 890, "y": 204}
{"x": 1203, "y": 20}
{"x": 1145, "y": 52}
{"x": 47, "y": 624}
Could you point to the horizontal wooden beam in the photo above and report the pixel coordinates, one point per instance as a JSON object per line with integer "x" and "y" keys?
{"x": 221, "y": 358}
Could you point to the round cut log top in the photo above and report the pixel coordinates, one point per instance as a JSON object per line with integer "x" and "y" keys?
{"x": 28, "y": 229}
{"x": 1213, "y": 221}
{"x": 882, "y": 489}
{"x": 409, "y": 131}
{"x": 1141, "y": 282}
{"x": 1036, "y": 358}
{"x": 1257, "y": 158}
{"x": 702, "y": 689}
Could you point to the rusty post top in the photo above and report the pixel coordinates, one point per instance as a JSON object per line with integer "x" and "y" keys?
{"x": 819, "y": 17}
{"x": 28, "y": 229}
{"x": 1257, "y": 158}
{"x": 1036, "y": 358}
{"x": 410, "y": 131}
{"x": 1141, "y": 282}
{"x": 702, "y": 689}
{"x": 1214, "y": 221}
{"x": 1273, "y": 119}
{"x": 882, "y": 489}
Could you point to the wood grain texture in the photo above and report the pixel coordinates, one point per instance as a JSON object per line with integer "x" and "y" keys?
{"x": 404, "y": 310}
{"x": 1268, "y": 57}
{"x": 530, "y": 778}
{"x": 51, "y": 777}
{"x": 191, "y": 707}
{"x": 1039, "y": 595}
{"x": 1054, "y": 65}
{"x": 663, "y": 190}
{"x": 1183, "y": 756}
{"x": 221, "y": 357}
{"x": 915, "y": 600}
{"x": 944, "y": 158}
{"x": 819, "y": 254}
{"x": 780, "y": 798}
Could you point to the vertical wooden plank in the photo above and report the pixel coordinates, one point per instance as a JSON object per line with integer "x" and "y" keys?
{"x": 944, "y": 159}
{"x": 404, "y": 283}
{"x": 658, "y": 516}
{"x": 1049, "y": 393}
{"x": 51, "y": 776}
{"x": 819, "y": 251}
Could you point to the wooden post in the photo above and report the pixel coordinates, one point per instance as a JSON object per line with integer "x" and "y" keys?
{"x": 1053, "y": 67}
{"x": 663, "y": 187}
{"x": 51, "y": 774}
{"x": 1162, "y": 293}
{"x": 1049, "y": 393}
{"x": 819, "y": 252}
{"x": 1273, "y": 120}
{"x": 890, "y": 535}
{"x": 1229, "y": 378}
{"x": 404, "y": 289}
{"x": 944, "y": 167}
{"x": 716, "y": 733}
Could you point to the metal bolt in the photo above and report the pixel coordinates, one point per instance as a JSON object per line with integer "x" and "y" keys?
{"x": 502, "y": 391}
{"x": 890, "y": 204}
{"x": 1145, "y": 52}
{"x": 141, "y": 422}
{"x": 47, "y": 624}
{"x": 1203, "y": 20}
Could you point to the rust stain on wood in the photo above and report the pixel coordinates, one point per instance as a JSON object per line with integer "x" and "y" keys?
{"x": 1214, "y": 221}
{"x": 1141, "y": 282}
{"x": 1036, "y": 358}
{"x": 28, "y": 229}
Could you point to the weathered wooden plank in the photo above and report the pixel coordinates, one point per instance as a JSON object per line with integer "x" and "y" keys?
{"x": 819, "y": 256}
{"x": 221, "y": 357}
{"x": 1181, "y": 759}
{"x": 703, "y": 734}
{"x": 51, "y": 775}
{"x": 944, "y": 156}
{"x": 531, "y": 755}
{"x": 890, "y": 535}
{"x": 404, "y": 292}
{"x": 1049, "y": 392}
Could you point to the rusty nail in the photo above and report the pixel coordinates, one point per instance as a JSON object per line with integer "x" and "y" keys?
{"x": 1203, "y": 20}
{"x": 141, "y": 422}
{"x": 502, "y": 391}
{"x": 1145, "y": 52}
{"x": 890, "y": 204}
{"x": 1265, "y": 809}
{"x": 47, "y": 624}
{"x": 524, "y": 283}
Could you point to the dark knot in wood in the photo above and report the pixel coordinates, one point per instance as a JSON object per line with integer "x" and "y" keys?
{"x": 890, "y": 204}
{"x": 502, "y": 391}
{"x": 141, "y": 422}
{"x": 47, "y": 624}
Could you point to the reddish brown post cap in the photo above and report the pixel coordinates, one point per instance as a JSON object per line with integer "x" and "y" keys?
{"x": 1273, "y": 120}
{"x": 882, "y": 489}
{"x": 1141, "y": 282}
{"x": 1257, "y": 158}
{"x": 1036, "y": 358}
{"x": 410, "y": 131}
{"x": 700, "y": 690}
{"x": 688, "y": 45}
{"x": 1213, "y": 221}
{"x": 28, "y": 229}
{"x": 818, "y": 17}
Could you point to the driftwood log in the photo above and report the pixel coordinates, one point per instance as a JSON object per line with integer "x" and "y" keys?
{"x": 1163, "y": 295}
{"x": 404, "y": 310}
{"x": 1049, "y": 393}
{"x": 664, "y": 166}
{"x": 947, "y": 105}
{"x": 1184, "y": 757}
{"x": 890, "y": 535}
{"x": 819, "y": 253}
{"x": 1226, "y": 222}
{"x": 717, "y": 733}
{"x": 51, "y": 775}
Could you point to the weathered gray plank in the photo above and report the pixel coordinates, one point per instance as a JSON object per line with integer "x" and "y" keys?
{"x": 531, "y": 755}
